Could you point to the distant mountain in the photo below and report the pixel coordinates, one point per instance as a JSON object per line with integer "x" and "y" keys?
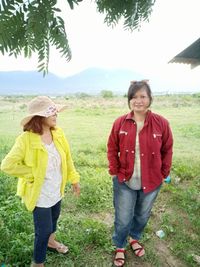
{"x": 28, "y": 82}
{"x": 95, "y": 80}
{"x": 91, "y": 81}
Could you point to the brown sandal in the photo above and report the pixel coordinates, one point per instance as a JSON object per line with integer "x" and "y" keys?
{"x": 59, "y": 249}
{"x": 120, "y": 260}
{"x": 138, "y": 250}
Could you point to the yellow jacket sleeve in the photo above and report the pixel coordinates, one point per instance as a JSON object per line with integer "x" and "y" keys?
{"x": 13, "y": 163}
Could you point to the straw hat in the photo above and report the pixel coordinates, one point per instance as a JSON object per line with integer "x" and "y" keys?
{"x": 41, "y": 106}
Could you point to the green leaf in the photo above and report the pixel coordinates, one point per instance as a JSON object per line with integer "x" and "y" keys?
{"x": 56, "y": 9}
{"x": 71, "y": 4}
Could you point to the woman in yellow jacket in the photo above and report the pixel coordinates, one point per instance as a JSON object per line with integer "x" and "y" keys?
{"x": 41, "y": 159}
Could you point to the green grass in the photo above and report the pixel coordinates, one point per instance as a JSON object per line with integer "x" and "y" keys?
{"x": 86, "y": 223}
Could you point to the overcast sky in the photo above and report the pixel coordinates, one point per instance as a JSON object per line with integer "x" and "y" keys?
{"x": 174, "y": 24}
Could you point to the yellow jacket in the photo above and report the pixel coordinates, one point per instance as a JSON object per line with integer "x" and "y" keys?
{"x": 28, "y": 159}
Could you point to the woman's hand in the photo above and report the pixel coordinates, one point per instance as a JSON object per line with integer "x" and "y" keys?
{"x": 76, "y": 189}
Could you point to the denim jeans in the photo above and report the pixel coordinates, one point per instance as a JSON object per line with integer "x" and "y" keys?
{"x": 132, "y": 211}
{"x": 45, "y": 221}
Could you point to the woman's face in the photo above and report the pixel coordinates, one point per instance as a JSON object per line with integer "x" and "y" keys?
{"x": 140, "y": 101}
{"x": 50, "y": 121}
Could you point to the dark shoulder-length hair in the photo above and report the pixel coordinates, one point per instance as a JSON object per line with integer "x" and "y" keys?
{"x": 135, "y": 86}
{"x": 35, "y": 125}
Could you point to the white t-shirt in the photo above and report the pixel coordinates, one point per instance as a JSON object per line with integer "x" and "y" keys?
{"x": 50, "y": 192}
{"x": 135, "y": 181}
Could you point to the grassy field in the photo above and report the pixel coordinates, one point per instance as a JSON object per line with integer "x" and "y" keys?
{"x": 86, "y": 223}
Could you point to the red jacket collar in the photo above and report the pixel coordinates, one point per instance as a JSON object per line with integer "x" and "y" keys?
{"x": 131, "y": 114}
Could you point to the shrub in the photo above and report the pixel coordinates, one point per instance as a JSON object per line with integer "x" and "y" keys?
{"x": 107, "y": 94}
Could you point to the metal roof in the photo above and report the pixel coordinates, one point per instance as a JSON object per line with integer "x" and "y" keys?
{"x": 190, "y": 55}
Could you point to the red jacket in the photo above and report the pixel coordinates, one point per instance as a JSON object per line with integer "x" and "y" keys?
{"x": 155, "y": 140}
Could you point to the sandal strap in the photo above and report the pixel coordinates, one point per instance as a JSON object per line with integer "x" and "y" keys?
{"x": 139, "y": 251}
{"x": 122, "y": 250}
{"x": 60, "y": 246}
{"x": 136, "y": 249}
{"x": 119, "y": 259}
{"x": 134, "y": 242}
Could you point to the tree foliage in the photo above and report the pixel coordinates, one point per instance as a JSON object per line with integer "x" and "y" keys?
{"x": 132, "y": 11}
{"x": 28, "y": 26}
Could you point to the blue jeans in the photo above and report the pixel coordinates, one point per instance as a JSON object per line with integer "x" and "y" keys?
{"x": 45, "y": 221}
{"x": 132, "y": 211}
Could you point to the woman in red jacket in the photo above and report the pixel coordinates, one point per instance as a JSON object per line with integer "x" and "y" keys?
{"x": 140, "y": 157}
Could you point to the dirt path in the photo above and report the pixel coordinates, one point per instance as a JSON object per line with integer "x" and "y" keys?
{"x": 164, "y": 253}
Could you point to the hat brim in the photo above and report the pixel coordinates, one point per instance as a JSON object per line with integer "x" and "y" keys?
{"x": 26, "y": 119}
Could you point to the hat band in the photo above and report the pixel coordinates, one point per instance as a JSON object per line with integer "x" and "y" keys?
{"x": 50, "y": 111}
